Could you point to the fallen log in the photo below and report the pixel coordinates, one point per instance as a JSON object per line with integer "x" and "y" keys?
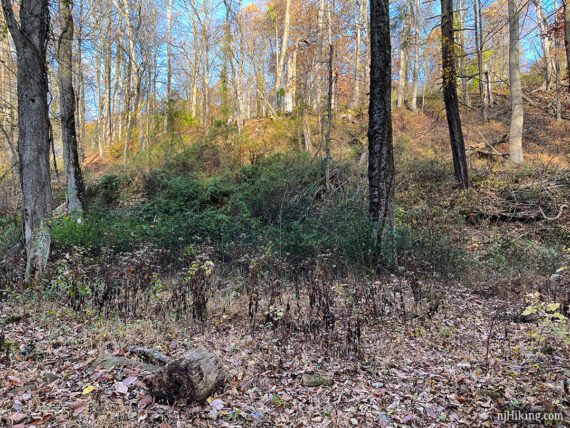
{"x": 193, "y": 377}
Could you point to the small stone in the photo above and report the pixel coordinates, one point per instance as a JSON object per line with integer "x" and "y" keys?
{"x": 313, "y": 380}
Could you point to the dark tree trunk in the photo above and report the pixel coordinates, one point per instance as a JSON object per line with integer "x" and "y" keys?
{"x": 30, "y": 38}
{"x": 380, "y": 151}
{"x": 450, "y": 94}
{"x": 329, "y": 118}
{"x": 71, "y": 165}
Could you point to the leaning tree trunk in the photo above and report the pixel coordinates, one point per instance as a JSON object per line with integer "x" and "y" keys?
{"x": 71, "y": 165}
{"x": 517, "y": 113}
{"x": 450, "y": 94}
{"x": 30, "y": 38}
{"x": 381, "y": 170}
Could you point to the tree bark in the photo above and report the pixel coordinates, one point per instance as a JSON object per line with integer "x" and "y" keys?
{"x": 284, "y": 42}
{"x": 546, "y": 45}
{"x": 566, "y": 5}
{"x": 479, "y": 48}
{"x": 360, "y": 17}
{"x": 30, "y": 37}
{"x": 72, "y": 169}
{"x": 329, "y": 117}
{"x": 450, "y": 95}
{"x": 416, "y": 69}
{"x": 167, "y": 115}
{"x": 381, "y": 171}
{"x": 517, "y": 112}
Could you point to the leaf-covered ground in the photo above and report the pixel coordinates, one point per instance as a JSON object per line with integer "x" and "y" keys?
{"x": 419, "y": 372}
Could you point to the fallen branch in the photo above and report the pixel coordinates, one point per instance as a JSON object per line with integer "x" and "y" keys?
{"x": 560, "y": 211}
{"x": 149, "y": 355}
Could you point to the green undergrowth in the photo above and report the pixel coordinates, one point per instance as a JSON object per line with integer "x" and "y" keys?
{"x": 280, "y": 206}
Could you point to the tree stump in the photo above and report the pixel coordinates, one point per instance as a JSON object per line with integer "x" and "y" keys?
{"x": 193, "y": 377}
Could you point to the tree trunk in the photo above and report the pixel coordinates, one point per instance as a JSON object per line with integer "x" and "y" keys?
{"x": 80, "y": 93}
{"x": 416, "y": 70}
{"x": 284, "y": 42}
{"x": 168, "y": 65}
{"x": 291, "y": 93}
{"x": 567, "y": 38}
{"x": 360, "y": 12}
{"x": 71, "y": 165}
{"x": 479, "y": 48}
{"x": 517, "y": 112}
{"x": 8, "y": 125}
{"x": 329, "y": 117}
{"x": 30, "y": 38}
{"x": 460, "y": 39}
{"x": 381, "y": 169}
{"x": 450, "y": 94}
{"x": 402, "y": 76}
{"x": 546, "y": 45}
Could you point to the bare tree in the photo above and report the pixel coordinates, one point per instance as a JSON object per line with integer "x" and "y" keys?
{"x": 546, "y": 45}
{"x": 381, "y": 171}
{"x": 30, "y": 37}
{"x": 74, "y": 178}
{"x": 479, "y": 48}
{"x": 284, "y": 41}
{"x": 167, "y": 127}
{"x": 566, "y": 7}
{"x": 517, "y": 109}
{"x": 450, "y": 94}
{"x": 416, "y": 69}
{"x": 404, "y": 47}
{"x": 360, "y": 13}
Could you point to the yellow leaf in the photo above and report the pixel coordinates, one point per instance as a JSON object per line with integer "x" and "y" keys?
{"x": 561, "y": 269}
{"x": 528, "y": 311}
{"x": 552, "y": 307}
{"x": 88, "y": 389}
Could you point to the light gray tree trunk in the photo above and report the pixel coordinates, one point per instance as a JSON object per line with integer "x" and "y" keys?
{"x": 30, "y": 37}
{"x": 517, "y": 112}
{"x": 479, "y": 49}
{"x": 284, "y": 42}
{"x": 567, "y": 38}
{"x": 416, "y": 69}
{"x": 546, "y": 45}
{"x": 360, "y": 17}
{"x": 403, "y": 71}
{"x": 72, "y": 169}
{"x": 8, "y": 126}
{"x": 291, "y": 93}
{"x": 168, "y": 65}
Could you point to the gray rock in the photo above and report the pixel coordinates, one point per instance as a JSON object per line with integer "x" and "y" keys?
{"x": 314, "y": 380}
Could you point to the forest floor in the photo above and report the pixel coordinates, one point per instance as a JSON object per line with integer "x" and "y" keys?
{"x": 447, "y": 345}
{"x": 465, "y": 366}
